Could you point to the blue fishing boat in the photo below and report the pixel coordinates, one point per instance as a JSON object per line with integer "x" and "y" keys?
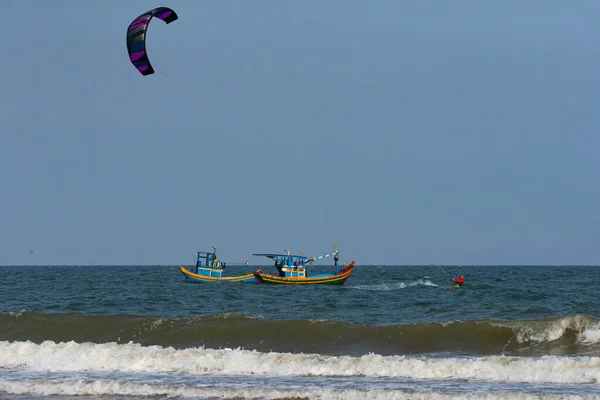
{"x": 211, "y": 270}
{"x": 293, "y": 270}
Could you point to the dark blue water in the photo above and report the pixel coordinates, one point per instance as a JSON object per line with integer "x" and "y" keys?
{"x": 390, "y": 331}
{"x": 372, "y": 296}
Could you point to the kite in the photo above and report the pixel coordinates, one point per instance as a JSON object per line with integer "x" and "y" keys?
{"x": 136, "y": 37}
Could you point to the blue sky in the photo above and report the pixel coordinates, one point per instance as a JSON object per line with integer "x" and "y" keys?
{"x": 409, "y": 132}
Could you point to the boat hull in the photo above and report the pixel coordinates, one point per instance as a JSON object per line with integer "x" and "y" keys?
{"x": 192, "y": 277}
{"x": 337, "y": 279}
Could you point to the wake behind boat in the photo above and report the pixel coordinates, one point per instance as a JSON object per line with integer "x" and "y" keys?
{"x": 212, "y": 270}
{"x": 292, "y": 270}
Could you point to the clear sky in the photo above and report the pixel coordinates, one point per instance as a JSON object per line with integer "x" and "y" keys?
{"x": 409, "y": 132}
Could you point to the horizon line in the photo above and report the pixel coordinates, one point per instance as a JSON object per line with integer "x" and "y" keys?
{"x": 364, "y": 265}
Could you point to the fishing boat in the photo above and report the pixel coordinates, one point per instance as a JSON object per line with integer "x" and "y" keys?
{"x": 211, "y": 270}
{"x": 293, "y": 270}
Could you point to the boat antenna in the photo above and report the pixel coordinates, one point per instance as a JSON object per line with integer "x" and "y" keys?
{"x": 287, "y": 251}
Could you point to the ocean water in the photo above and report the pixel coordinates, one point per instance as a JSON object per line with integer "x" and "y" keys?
{"x": 391, "y": 332}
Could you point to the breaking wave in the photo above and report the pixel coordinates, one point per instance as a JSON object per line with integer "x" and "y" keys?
{"x": 574, "y": 334}
{"x": 112, "y": 357}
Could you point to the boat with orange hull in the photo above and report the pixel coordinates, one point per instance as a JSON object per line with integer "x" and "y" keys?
{"x": 293, "y": 270}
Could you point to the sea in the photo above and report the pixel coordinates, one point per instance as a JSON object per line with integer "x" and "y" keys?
{"x": 391, "y": 332}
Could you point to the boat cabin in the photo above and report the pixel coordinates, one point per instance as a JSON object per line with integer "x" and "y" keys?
{"x": 288, "y": 265}
{"x": 211, "y": 265}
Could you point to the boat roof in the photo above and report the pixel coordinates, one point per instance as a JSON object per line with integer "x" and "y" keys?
{"x": 281, "y": 257}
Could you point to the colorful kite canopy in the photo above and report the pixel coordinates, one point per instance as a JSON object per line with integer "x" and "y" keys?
{"x": 136, "y": 37}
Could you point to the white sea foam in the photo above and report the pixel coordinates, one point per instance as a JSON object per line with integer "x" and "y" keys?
{"x": 17, "y": 314}
{"x": 586, "y": 329}
{"x": 122, "y": 388}
{"x": 395, "y": 285}
{"x": 82, "y": 357}
{"x": 590, "y": 335}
